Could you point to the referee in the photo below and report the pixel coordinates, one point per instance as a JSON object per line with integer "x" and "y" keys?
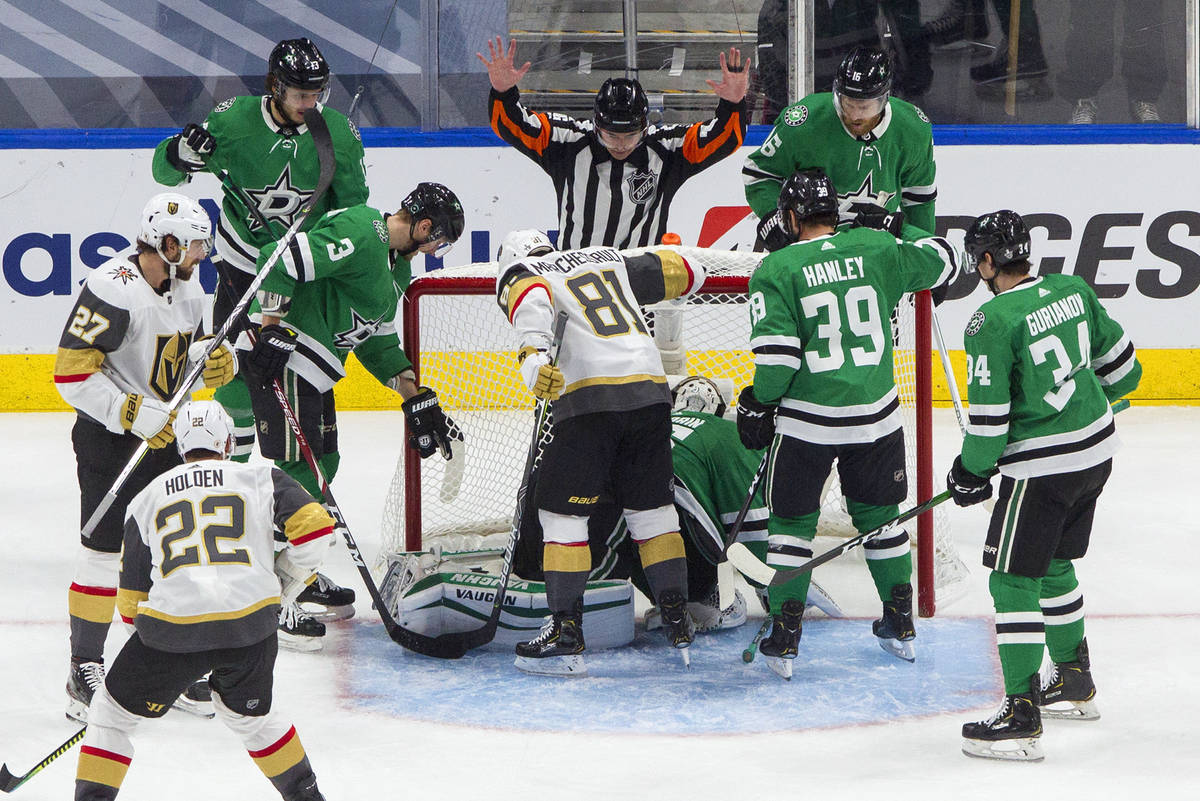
{"x": 615, "y": 175}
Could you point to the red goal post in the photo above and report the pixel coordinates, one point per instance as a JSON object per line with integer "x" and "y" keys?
{"x": 461, "y": 345}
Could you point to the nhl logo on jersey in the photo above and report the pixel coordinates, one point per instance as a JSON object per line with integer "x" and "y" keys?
{"x": 974, "y": 324}
{"x": 641, "y": 186}
{"x": 796, "y": 115}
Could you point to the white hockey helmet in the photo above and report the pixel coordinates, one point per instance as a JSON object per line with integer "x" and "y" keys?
{"x": 181, "y": 217}
{"x": 698, "y": 394}
{"x": 516, "y": 245}
{"x": 203, "y": 425}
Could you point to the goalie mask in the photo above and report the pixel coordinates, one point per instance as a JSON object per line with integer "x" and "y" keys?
{"x": 516, "y": 245}
{"x": 698, "y": 394}
{"x": 203, "y": 425}
{"x": 176, "y": 215}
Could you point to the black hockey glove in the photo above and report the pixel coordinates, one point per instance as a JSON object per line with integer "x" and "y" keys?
{"x": 965, "y": 487}
{"x": 187, "y": 151}
{"x": 429, "y": 429}
{"x": 771, "y": 234}
{"x": 271, "y": 352}
{"x": 755, "y": 420}
{"x": 939, "y": 292}
{"x": 872, "y": 216}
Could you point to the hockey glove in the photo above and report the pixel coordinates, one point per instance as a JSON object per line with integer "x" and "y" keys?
{"x": 872, "y": 216}
{"x": 755, "y": 420}
{"x": 771, "y": 233}
{"x": 938, "y": 293}
{"x": 544, "y": 380}
{"x": 271, "y": 352}
{"x": 965, "y": 487}
{"x": 428, "y": 426}
{"x": 220, "y": 366}
{"x": 148, "y": 418}
{"x": 187, "y": 151}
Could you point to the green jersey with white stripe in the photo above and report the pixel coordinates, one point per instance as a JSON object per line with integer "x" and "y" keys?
{"x": 345, "y": 284}
{"x": 892, "y": 166}
{"x": 1044, "y": 360}
{"x": 821, "y": 333}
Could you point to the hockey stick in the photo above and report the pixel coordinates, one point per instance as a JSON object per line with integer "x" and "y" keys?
{"x": 750, "y": 565}
{"x": 736, "y": 528}
{"x": 325, "y": 157}
{"x": 9, "y": 782}
{"x": 748, "y": 654}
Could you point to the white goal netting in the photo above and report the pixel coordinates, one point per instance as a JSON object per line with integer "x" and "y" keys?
{"x": 464, "y": 347}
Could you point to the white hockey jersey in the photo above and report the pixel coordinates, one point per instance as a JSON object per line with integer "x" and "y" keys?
{"x": 124, "y": 337}
{"x": 198, "y": 566}
{"x": 608, "y": 357}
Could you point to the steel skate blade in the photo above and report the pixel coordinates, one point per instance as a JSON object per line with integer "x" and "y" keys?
{"x": 201, "y": 709}
{"x": 653, "y": 619}
{"x": 903, "y": 649}
{"x": 571, "y": 666}
{"x": 1021, "y": 749}
{"x": 686, "y": 657}
{"x": 1071, "y": 710}
{"x": 77, "y": 711}
{"x": 329, "y": 614}
{"x": 780, "y": 666}
{"x": 305, "y": 645}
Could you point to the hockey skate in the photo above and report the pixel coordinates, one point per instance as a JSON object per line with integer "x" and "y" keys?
{"x": 780, "y": 649}
{"x": 82, "y": 682}
{"x": 707, "y": 614}
{"x": 338, "y": 601}
{"x": 196, "y": 700}
{"x": 558, "y": 648}
{"x": 298, "y": 630}
{"x": 1013, "y": 733}
{"x": 677, "y": 623}
{"x": 1068, "y": 692}
{"x": 895, "y": 629}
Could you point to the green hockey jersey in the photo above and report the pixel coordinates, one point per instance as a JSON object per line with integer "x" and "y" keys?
{"x": 892, "y": 166}
{"x": 1044, "y": 360}
{"x": 712, "y": 474}
{"x": 345, "y": 284}
{"x": 277, "y": 168}
{"x": 821, "y": 334}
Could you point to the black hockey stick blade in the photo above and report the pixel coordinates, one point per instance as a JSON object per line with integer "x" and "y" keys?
{"x": 9, "y": 782}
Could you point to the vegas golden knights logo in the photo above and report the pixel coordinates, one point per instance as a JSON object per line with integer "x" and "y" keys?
{"x": 172, "y": 207}
{"x": 169, "y": 364}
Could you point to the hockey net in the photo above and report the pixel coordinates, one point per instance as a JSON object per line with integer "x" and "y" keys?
{"x": 462, "y": 345}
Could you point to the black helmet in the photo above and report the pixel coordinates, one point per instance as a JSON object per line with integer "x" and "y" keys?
{"x": 299, "y": 64}
{"x": 436, "y": 203}
{"x": 865, "y": 73}
{"x": 1000, "y": 233}
{"x": 809, "y": 193}
{"x": 621, "y": 106}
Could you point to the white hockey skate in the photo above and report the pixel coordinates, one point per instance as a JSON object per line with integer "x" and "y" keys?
{"x": 706, "y": 615}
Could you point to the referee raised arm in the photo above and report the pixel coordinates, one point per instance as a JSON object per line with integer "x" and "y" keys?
{"x": 615, "y": 175}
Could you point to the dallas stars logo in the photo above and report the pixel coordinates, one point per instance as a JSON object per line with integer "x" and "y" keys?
{"x": 360, "y": 329}
{"x": 850, "y": 203}
{"x": 279, "y": 201}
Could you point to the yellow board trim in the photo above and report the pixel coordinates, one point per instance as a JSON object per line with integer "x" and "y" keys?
{"x": 188, "y": 619}
{"x": 661, "y": 548}
{"x": 1170, "y": 377}
{"x": 567, "y": 558}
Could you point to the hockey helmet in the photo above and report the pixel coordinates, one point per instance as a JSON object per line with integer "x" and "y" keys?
{"x": 516, "y": 245}
{"x": 203, "y": 425}
{"x": 865, "y": 73}
{"x": 697, "y": 393}
{"x": 808, "y": 193}
{"x": 299, "y": 64}
{"x": 1000, "y": 233}
{"x": 621, "y": 106}
{"x": 436, "y": 203}
{"x": 181, "y": 217}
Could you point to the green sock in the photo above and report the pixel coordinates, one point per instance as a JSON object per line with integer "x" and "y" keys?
{"x": 1020, "y": 631}
{"x": 1062, "y": 606}
{"x": 789, "y": 545}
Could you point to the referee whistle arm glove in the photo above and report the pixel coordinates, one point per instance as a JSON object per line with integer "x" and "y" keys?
{"x": 149, "y": 419}
{"x": 965, "y": 487}
{"x": 544, "y": 379}
{"x": 429, "y": 429}
{"x": 271, "y": 352}
{"x": 755, "y": 420}
{"x": 877, "y": 217}
{"x": 220, "y": 366}
{"x": 188, "y": 150}
{"x": 771, "y": 234}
